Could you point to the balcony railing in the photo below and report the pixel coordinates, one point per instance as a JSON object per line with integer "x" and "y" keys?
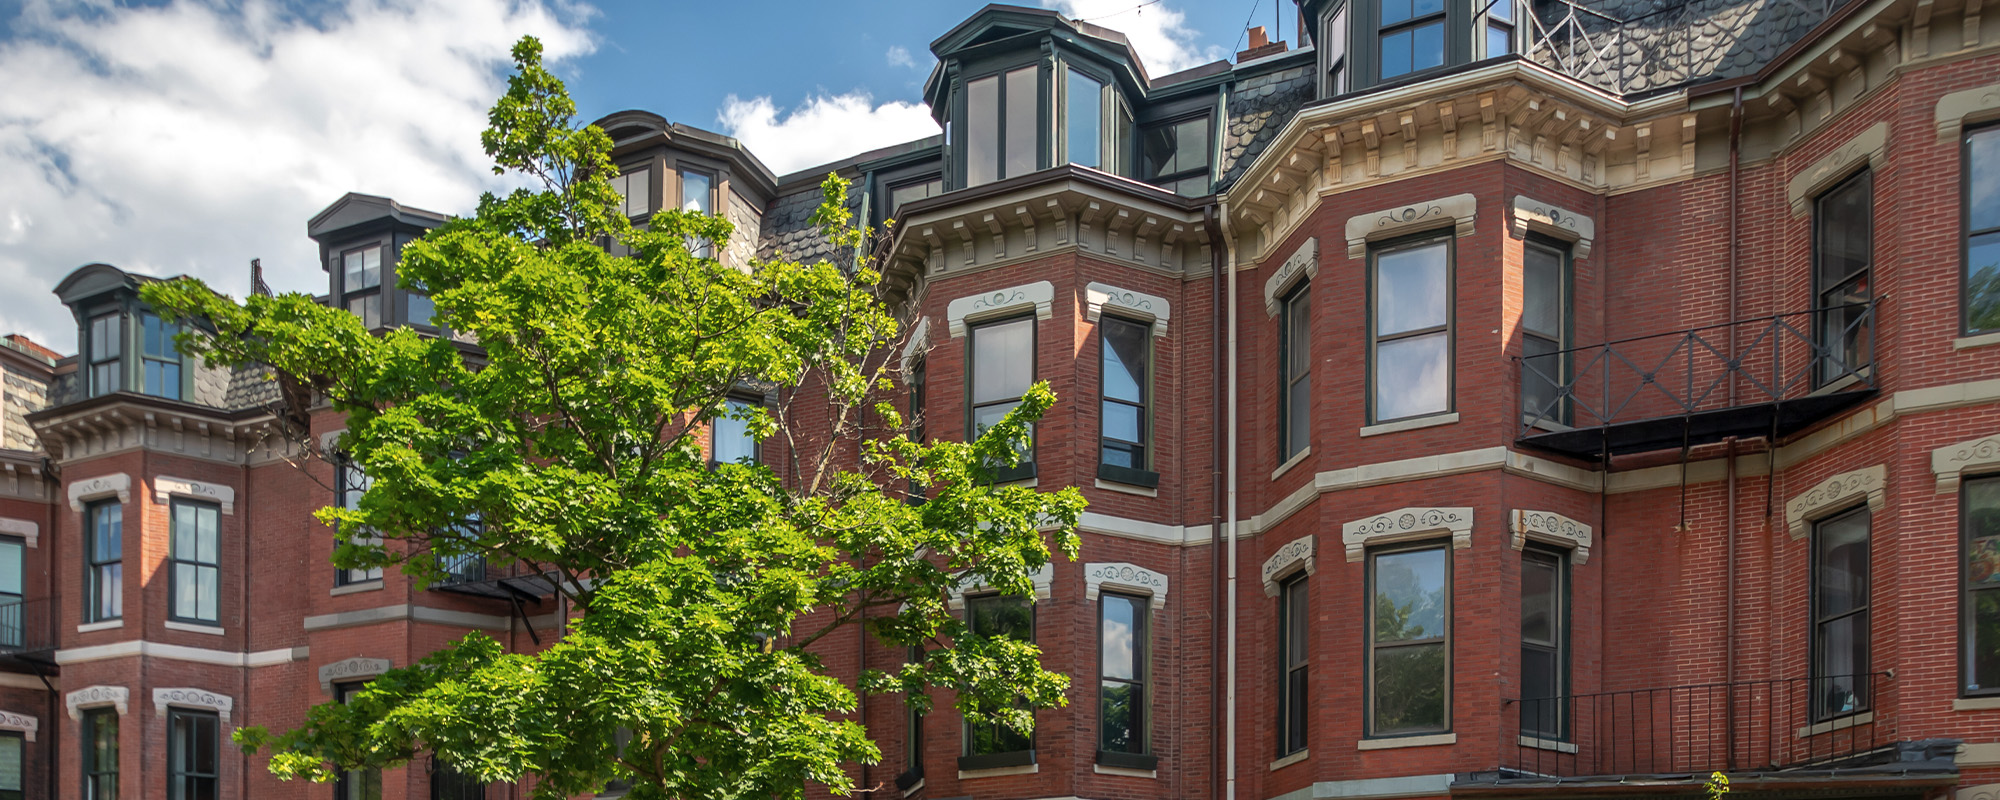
{"x": 1796, "y": 723}
{"x": 1673, "y": 390}
{"x": 27, "y": 626}
{"x": 1677, "y": 43}
{"x": 460, "y": 569}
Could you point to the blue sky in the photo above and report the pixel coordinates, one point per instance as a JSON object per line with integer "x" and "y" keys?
{"x": 188, "y": 136}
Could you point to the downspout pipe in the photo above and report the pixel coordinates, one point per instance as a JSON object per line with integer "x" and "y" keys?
{"x": 1729, "y": 453}
{"x": 1218, "y": 261}
{"x": 1230, "y": 491}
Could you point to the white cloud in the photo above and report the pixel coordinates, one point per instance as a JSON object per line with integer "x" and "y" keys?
{"x": 1161, "y": 35}
{"x": 825, "y": 129}
{"x": 899, "y": 56}
{"x": 192, "y": 137}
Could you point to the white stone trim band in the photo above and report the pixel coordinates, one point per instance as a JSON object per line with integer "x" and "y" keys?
{"x": 98, "y": 696}
{"x": 1957, "y": 109}
{"x": 20, "y": 723}
{"x": 1044, "y": 578}
{"x": 1459, "y": 210}
{"x": 1949, "y": 462}
{"x": 1836, "y": 494}
{"x": 1303, "y": 265}
{"x": 1297, "y": 554}
{"x": 28, "y": 530}
{"x": 1147, "y": 307}
{"x": 202, "y": 699}
{"x": 1041, "y": 295}
{"x": 352, "y": 669}
{"x": 1405, "y": 524}
{"x": 166, "y": 488}
{"x": 1550, "y": 527}
{"x": 1554, "y": 221}
{"x": 83, "y": 491}
{"x": 1871, "y": 146}
{"x": 1124, "y": 577}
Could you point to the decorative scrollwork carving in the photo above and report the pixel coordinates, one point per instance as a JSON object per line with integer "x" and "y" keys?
{"x": 1552, "y": 528}
{"x": 1836, "y": 493}
{"x": 1407, "y": 523}
{"x": 1295, "y": 555}
{"x": 1120, "y": 575}
{"x": 1953, "y": 461}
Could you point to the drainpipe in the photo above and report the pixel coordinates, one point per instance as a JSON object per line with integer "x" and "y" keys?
{"x": 1218, "y": 261}
{"x": 1229, "y": 493}
{"x": 1729, "y": 453}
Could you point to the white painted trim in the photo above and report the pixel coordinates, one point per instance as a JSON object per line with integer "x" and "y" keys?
{"x": 404, "y": 611}
{"x": 116, "y": 483}
{"x": 23, "y": 724}
{"x": 920, "y": 342}
{"x": 1978, "y": 754}
{"x": 1125, "y": 527}
{"x": 1297, "y": 554}
{"x": 1289, "y": 760}
{"x": 1400, "y": 742}
{"x": 1976, "y": 340}
{"x": 30, "y": 532}
{"x": 1952, "y": 461}
{"x": 1546, "y": 744}
{"x": 1837, "y": 724}
{"x": 356, "y": 588}
{"x": 1554, "y": 221}
{"x": 1127, "y": 577}
{"x": 1296, "y": 459}
{"x": 1551, "y": 528}
{"x": 1025, "y": 769}
{"x": 351, "y": 670}
{"x": 1125, "y": 771}
{"x": 914, "y": 788}
{"x": 98, "y": 696}
{"x": 1406, "y": 524}
{"x": 1000, "y": 302}
{"x": 165, "y": 488}
{"x": 1147, "y": 307}
{"x": 1044, "y": 579}
{"x": 109, "y": 624}
{"x": 1870, "y": 146}
{"x": 1954, "y": 110}
{"x": 15, "y": 680}
{"x": 1837, "y": 494}
{"x": 175, "y": 652}
{"x": 1302, "y": 265}
{"x": 1459, "y": 211}
{"x": 1126, "y": 488}
{"x": 202, "y": 699}
{"x": 1411, "y": 424}
{"x": 212, "y": 630}
{"x": 1975, "y": 704}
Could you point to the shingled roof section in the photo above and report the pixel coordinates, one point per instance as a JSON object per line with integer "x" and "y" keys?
{"x": 788, "y": 229}
{"x": 1259, "y": 107}
{"x": 251, "y": 387}
{"x": 1636, "y": 46}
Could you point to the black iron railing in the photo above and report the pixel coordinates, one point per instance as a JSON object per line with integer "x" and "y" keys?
{"x": 1677, "y": 43}
{"x": 467, "y": 568}
{"x": 27, "y": 626}
{"x": 1817, "y": 722}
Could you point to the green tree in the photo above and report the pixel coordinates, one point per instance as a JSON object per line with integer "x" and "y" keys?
{"x": 566, "y": 441}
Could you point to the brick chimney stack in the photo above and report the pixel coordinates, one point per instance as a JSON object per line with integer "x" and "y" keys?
{"x": 1261, "y": 46}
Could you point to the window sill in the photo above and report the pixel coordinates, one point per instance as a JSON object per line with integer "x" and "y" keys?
{"x": 1843, "y": 382}
{"x": 1975, "y": 340}
{"x": 914, "y": 788}
{"x": 997, "y": 764}
{"x": 1975, "y": 703}
{"x": 1838, "y": 724}
{"x": 1411, "y": 424}
{"x": 1126, "y": 488}
{"x": 1290, "y": 760}
{"x": 1548, "y": 744}
{"x": 1125, "y": 771}
{"x": 1291, "y": 462}
{"x": 357, "y": 588}
{"x": 1399, "y": 742}
{"x": 1129, "y": 762}
{"x": 194, "y": 627}
{"x": 101, "y": 626}
{"x": 910, "y": 781}
{"x": 1131, "y": 477}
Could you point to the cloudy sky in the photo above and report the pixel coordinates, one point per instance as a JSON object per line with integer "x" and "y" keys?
{"x": 189, "y": 136}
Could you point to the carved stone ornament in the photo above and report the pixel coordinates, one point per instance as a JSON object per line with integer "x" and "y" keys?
{"x": 1951, "y": 461}
{"x": 1985, "y": 791}
{"x": 116, "y": 483}
{"x": 165, "y": 488}
{"x": 1971, "y": 105}
{"x": 29, "y": 531}
{"x": 1139, "y": 305}
{"x": 1297, "y": 554}
{"x": 918, "y": 344}
{"x": 1836, "y": 494}
{"x": 1459, "y": 211}
{"x": 1869, "y": 147}
{"x": 352, "y": 669}
{"x": 1301, "y": 266}
{"x": 1041, "y": 295}
{"x": 1130, "y": 577}
{"x": 1554, "y": 221}
{"x": 193, "y": 698}
{"x": 1044, "y": 578}
{"x": 117, "y": 697}
{"x": 1549, "y": 527}
{"x": 20, "y": 723}
{"x": 1405, "y": 524}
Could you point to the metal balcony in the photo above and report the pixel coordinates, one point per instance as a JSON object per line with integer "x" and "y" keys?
{"x": 1672, "y": 391}
{"x": 27, "y": 627}
{"x": 1610, "y": 46}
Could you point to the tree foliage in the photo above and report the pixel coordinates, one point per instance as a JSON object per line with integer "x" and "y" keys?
{"x": 565, "y": 443}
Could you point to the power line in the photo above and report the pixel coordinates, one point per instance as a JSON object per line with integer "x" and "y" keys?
{"x": 1246, "y": 26}
{"x": 1122, "y": 13}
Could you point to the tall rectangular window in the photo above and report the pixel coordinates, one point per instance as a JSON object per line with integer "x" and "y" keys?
{"x": 193, "y": 737}
{"x": 635, "y": 189}
{"x": 1840, "y": 636}
{"x": 1174, "y": 156}
{"x": 1980, "y": 290}
{"x": 734, "y": 443}
{"x": 104, "y": 561}
{"x": 913, "y": 738}
{"x": 1333, "y": 53}
{"x": 1410, "y": 346}
{"x": 1295, "y": 374}
{"x": 1544, "y": 643}
{"x": 1126, "y": 379}
{"x": 1498, "y": 25}
{"x": 1409, "y": 655}
{"x": 107, "y": 343}
{"x": 1293, "y": 657}
{"x": 1544, "y": 331}
{"x": 361, "y": 285}
{"x": 997, "y": 616}
{"x": 13, "y": 784}
{"x": 100, "y": 754}
{"x": 195, "y": 560}
{"x": 13, "y": 630}
{"x": 698, "y": 197}
{"x": 1085, "y": 120}
{"x": 1843, "y": 252}
{"x": 1023, "y": 121}
{"x": 352, "y": 484}
{"x": 1003, "y": 368}
{"x": 1122, "y": 657}
{"x": 447, "y": 783}
{"x": 1003, "y": 120}
{"x": 355, "y": 784}
{"x": 1979, "y": 518}
{"x": 162, "y": 371}
{"x": 1412, "y": 36}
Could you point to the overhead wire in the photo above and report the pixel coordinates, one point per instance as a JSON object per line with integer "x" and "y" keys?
{"x": 1246, "y": 25}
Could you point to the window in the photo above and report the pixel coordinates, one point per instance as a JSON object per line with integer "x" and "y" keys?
{"x": 192, "y": 741}
{"x": 355, "y": 784}
{"x": 100, "y": 754}
{"x": 362, "y": 286}
{"x": 1002, "y": 368}
{"x": 1840, "y": 615}
{"x": 162, "y": 373}
{"x": 1295, "y": 367}
{"x": 734, "y": 443}
{"x": 12, "y": 781}
{"x": 1409, "y": 654}
{"x": 1982, "y": 231}
{"x": 450, "y": 784}
{"x": 105, "y": 570}
{"x": 1174, "y": 157}
{"x": 194, "y": 559}
{"x": 1843, "y": 251}
{"x": 698, "y": 197}
{"x": 1499, "y": 28}
{"x": 1085, "y": 120}
{"x": 1544, "y": 331}
{"x": 353, "y": 483}
{"x": 1125, "y": 383}
{"x": 635, "y": 187}
{"x": 1544, "y": 643}
{"x": 917, "y": 190}
{"x": 1122, "y": 657}
{"x": 1410, "y": 350}
{"x": 418, "y": 308}
{"x": 1979, "y": 516}
{"x": 1293, "y": 617}
{"x": 913, "y": 738}
{"x": 107, "y": 336}
{"x": 1334, "y": 53}
{"x": 995, "y": 616}
{"x": 1002, "y": 121}
{"x": 1412, "y": 34}
{"x": 12, "y": 631}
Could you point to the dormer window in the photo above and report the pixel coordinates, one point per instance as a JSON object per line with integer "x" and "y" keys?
{"x": 1412, "y": 36}
{"x": 635, "y": 185}
{"x": 698, "y": 197}
{"x": 1333, "y": 53}
{"x": 161, "y": 374}
{"x": 1002, "y": 116}
{"x": 1174, "y": 156}
{"x": 1085, "y": 112}
{"x": 107, "y": 334}
{"x": 1499, "y": 28}
{"x": 361, "y": 286}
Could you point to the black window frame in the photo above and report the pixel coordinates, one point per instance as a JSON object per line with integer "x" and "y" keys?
{"x": 730, "y": 401}
{"x": 1969, "y": 593}
{"x": 95, "y": 776}
{"x": 1445, "y": 238}
{"x": 1043, "y": 144}
{"x": 447, "y": 783}
{"x": 174, "y": 389}
{"x": 1561, "y": 605}
{"x": 1486, "y": 23}
{"x": 12, "y": 630}
{"x": 1445, "y": 638}
{"x": 967, "y": 759}
{"x": 1442, "y": 18}
{"x": 20, "y": 750}
{"x": 932, "y": 184}
{"x": 183, "y": 777}
{"x": 1566, "y": 311}
{"x": 1296, "y": 301}
{"x": 622, "y": 184}
{"x": 699, "y": 247}
{"x": 1967, "y": 233}
{"x": 347, "y": 494}
{"x": 1141, "y": 758}
{"x": 344, "y": 781}
{"x": 1817, "y": 677}
{"x": 1336, "y": 61}
{"x": 104, "y": 353}
{"x": 1171, "y": 180}
{"x": 367, "y": 294}
{"x": 1142, "y": 450}
{"x": 913, "y": 736}
{"x": 175, "y": 562}
{"x": 1294, "y": 728}
{"x": 94, "y": 564}
{"x": 1826, "y": 372}
{"x": 1026, "y": 468}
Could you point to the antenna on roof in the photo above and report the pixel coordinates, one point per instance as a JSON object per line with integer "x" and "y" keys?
{"x": 257, "y": 284}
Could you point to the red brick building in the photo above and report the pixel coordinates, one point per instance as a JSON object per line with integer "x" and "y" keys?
{"x": 1486, "y": 399}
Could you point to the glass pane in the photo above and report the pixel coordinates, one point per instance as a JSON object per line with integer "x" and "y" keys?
{"x": 158, "y": 336}
{"x": 207, "y": 592}
{"x": 1982, "y": 669}
{"x": 1003, "y": 360}
{"x": 1982, "y": 283}
{"x": 104, "y": 340}
{"x": 420, "y": 309}
{"x": 1298, "y": 416}
{"x": 1395, "y": 54}
{"x": 697, "y": 192}
{"x": 368, "y": 308}
{"x": 1394, "y": 11}
{"x": 1409, "y": 595}
{"x": 1124, "y": 359}
{"x": 1501, "y": 10}
{"x": 1538, "y": 672}
{"x": 1540, "y": 371}
{"x": 10, "y": 764}
{"x": 1841, "y": 658}
{"x": 1841, "y": 231}
{"x": 1538, "y": 602}
{"x": 1023, "y": 121}
{"x": 1409, "y": 689}
{"x": 187, "y": 590}
{"x": 1427, "y": 49}
{"x": 1542, "y": 292}
{"x": 1086, "y": 113}
{"x": 1120, "y": 635}
{"x": 10, "y": 567}
{"x": 733, "y": 439}
{"x": 111, "y": 597}
{"x": 364, "y": 269}
{"x": 1412, "y": 377}
{"x": 638, "y": 192}
{"x": 109, "y": 539}
{"x": 1123, "y": 454}
{"x": 1120, "y": 717}
{"x": 1411, "y": 289}
{"x": 1295, "y": 710}
{"x": 1298, "y": 333}
{"x": 1296, "y": 619}
{"x": 1336, "y": 53}
{"x": 1499, "y": 40}
{"x": 988, "y": 416}
{"x": 1983, "y": 170}
{"x": 1008, "y": 617}
{"x": 1541, "y": 703}
{"x": 1842, "y": 569}
{"x": 982, "y": 126}
{"x": 205, "y": 519}
{"x": 1122, "y": 422}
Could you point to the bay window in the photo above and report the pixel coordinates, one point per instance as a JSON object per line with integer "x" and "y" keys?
{"x": 1293, "y": 618}
{"x": 1002, "y": 366}
{"x": 1544, "y": 330}
{"x": 1980, "y": 281}
{"x": 1295, "y": 370}
{"x": 1410, "y": 342}
{"x": 1840, "y": 636}
{"x": 100, "y": 754}
{"x": 161, "y": 374}
{"x": 1336, "y": 75}
{"x": 1002, "y": 121}
{"x": 107, "y": 344}
{"x": 734, "y": 442}
{"x": 1411, "y": 35}
{"x": 1084, "y": 114}
{"x": 1843, "y": 254}
{"x": 991, "y": 744}
{"x": 194, "y": 554}
{"x": 1409, "y": 652}
{"x": 104, "y": 549}
{"x": 1979, "y": 521}
{"x": 1121, "y": 689}
{"x": 1175, "y": 156}
{"x": 698, "y": 197}
{"x": 1544, "y": 643}
{"x": 351, "y": 484}
{"x": 193, "y": 742}
{"x": 635, "y": 190}
{"x": 1126, "y": 383}
{"x": 1497, "y": 28}
{"x": 361, "y": 285}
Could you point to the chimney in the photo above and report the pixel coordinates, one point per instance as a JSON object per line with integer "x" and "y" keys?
{"x": 1260, "y": 46}
{"x": 257, "y": 284}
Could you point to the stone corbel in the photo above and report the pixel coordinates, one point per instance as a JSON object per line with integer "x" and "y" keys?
{"x": 1836, "y": 494}
{"x": 1301, "y": 266}
{"x": 30, "y": 532}
{"x": 165, "y": 488}
{"x": 352, "y": 669}
{"x": 193, "y": 698}
{"x": 1040, "y": 296}
{"x": 1137, "y": 304}
{"x": 1955, "y": 110}
{"x": 1952, "y": 461}
{"x": 1870, "y": 147}
{"x": 1125, "y": 577}
{"x": 920, "y": 341}
{"x": 83, "y": 491}
{"x": 1554, "y": 221}
{"x": 1044, "y": 578}
{"x": 1405, "y": 524}
{"x": 1459, "y": 210}
{"x": 20, "y": 723}
{"x": 117, "y": 697}
{"x": 1296, "y": 555}
{"x": 1548, "y": 527}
